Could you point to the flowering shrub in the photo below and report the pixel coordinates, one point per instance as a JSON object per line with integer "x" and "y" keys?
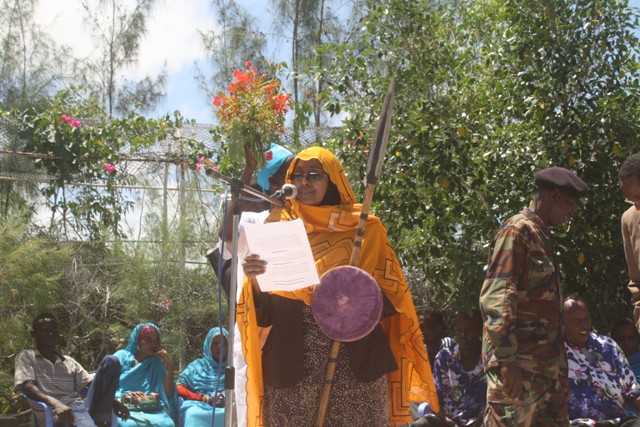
{"x": 252, "y": 112}
{"x": 73, "y": 122}
{"x": 88, "y": 151}
{"x": 205, "y": 163}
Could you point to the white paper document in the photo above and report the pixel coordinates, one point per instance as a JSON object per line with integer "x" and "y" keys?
{"x": 285, "y": 247}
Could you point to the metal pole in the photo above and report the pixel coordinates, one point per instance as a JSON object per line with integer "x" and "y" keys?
{"x": 230, "y": 372}
{"x": 183, "y": 254}
{"x": 236, "y": 187}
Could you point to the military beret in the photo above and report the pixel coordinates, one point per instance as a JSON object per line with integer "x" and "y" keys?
{"x": 560, "y": 178}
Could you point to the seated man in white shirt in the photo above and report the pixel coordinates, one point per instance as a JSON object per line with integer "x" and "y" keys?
{"x": 46, "y": 375}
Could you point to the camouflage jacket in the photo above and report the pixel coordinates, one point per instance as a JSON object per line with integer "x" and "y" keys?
{"x": 520, "y": 301}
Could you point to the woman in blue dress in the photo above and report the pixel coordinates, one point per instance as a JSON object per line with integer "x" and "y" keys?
{"x": 202, "y": 382}
{"x": 147, "y": 368}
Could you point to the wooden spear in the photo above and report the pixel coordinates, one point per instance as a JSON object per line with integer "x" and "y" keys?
{"x": 374, "y": 170}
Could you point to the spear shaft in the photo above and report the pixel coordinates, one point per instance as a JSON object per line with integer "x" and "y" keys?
{"x": 374, "y": 170}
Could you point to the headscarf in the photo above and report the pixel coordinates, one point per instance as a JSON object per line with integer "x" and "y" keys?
{"x": 327, "y": 227}
{"x": 148, "y": 375}
{"x": 145, "y": 330}
{"x": 206, "y": 375}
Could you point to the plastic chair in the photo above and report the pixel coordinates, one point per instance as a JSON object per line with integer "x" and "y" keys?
{"x": 48, "y": 413}
{"x": 424, "y": 409}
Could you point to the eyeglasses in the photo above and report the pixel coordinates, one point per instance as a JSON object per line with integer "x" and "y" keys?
{"x": 297, "y": 178}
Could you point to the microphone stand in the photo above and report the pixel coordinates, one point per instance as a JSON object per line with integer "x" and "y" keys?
{"x": 236, "y": 186}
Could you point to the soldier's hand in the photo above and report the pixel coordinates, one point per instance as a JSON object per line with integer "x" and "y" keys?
{"x": 511, "y": 380}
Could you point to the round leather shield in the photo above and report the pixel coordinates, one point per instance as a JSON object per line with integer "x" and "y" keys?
{"x": 347, "y": 303}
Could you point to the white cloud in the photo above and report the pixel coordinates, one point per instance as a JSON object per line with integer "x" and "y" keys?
{"x": 64, "y": 22}
{"x": 172, "y": 38}
{"x": 172, "y": 32}
{"x": 172, "y": 35}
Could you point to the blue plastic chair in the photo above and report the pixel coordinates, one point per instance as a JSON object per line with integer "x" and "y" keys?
{"x": 36, "y": 405}
{"x": 424, "y": 409}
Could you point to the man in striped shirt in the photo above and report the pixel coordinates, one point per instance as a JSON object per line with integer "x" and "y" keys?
{"x": 44, "y": 374}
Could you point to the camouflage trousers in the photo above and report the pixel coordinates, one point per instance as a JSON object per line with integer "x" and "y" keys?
{"x": 543, "y": 402}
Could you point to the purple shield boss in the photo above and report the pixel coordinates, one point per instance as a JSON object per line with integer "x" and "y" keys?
{"x": 347, "y": 303}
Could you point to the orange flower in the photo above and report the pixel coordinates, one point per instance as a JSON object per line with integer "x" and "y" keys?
{"x": 253, "y": 111}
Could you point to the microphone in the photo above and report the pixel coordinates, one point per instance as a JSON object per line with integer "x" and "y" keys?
{"x": 237, "y": 185}
{"x": 288, "y": 191}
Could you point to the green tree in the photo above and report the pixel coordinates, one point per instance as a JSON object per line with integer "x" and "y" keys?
{"x": 117, "y": 31}
{"x": 31, "y": 266}
{"x": 487, "y": 93}
{"x": 32, "y": 66}
{"x": 307, "y": 25}
{"x": 235, "y": 40}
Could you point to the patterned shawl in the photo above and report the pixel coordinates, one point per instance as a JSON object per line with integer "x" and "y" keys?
{"x": 205, "y": 375}
{"x": 326, "y": 227}
{"x": 147, "y": 376}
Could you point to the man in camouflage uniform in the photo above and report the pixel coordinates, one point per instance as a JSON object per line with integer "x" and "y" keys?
{"x": 521, "y": 305}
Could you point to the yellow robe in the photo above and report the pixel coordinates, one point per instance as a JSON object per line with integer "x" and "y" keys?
{"x": 325, "y": 226}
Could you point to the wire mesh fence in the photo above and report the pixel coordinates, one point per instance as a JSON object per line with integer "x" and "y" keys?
{"x": 163, "y": 174}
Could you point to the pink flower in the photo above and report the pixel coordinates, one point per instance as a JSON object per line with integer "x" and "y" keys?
{"x": 248, "y": 64}
{"x": 73, "y": 122}
{"x": 167, "y": 304}
{"x": 203, "y": 161}
{"x": 109, "y": 167}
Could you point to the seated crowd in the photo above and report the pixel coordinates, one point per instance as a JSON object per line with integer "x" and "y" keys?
{"x": 136, "y": 383}
{"x": 602, "y": 371}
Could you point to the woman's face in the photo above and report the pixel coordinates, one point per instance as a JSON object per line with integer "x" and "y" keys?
{"x": 149, "y": 343}
{"x": 627, "y": 338}
{"x": 218, "y": 342}
{"x": 310, "y": 180}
